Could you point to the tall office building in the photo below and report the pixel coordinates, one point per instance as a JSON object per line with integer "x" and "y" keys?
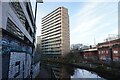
{"x": 18, "y": 31}
{"x": 55, "y": 33}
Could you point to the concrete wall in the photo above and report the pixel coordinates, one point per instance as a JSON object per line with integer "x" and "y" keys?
{"x": 65, "y": 32}
{"x": 5, "y": 9}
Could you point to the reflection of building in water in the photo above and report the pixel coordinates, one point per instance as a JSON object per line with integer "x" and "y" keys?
{"x": 64, "y": 73}
{"x": 60, "y": 71}
{"x": 18, "y": 31}
{"x": 55, "y": 33}
{"x": 56, "y": 71}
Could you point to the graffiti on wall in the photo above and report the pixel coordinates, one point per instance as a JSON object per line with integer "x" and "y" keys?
{"x": 20, "y": 65}
{"x": 9, "y": 44}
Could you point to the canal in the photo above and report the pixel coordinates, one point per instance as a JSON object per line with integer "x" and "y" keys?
{"x": 70, "y": 73}
{"x": 81, "y": 73}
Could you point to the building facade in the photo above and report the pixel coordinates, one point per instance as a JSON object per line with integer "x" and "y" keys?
{"x": 38, "y": 44}
{"x": 38, "y": 52}
{"x": 18, "y": 31}
{"x": 55, "y": 32}
{"x": 79, "y": 47}
{"x": 109, "y": 50}
{"x": 91, "y": 54}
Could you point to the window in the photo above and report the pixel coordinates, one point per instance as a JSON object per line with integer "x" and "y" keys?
{"x": 12, "y": 28}
{"x": 102, "y": 52}
{"x": 115, "y": 51}
{"x": 99, "y": 52}
{"x": 19, "y": 12}
{"x": 106, "y": 51}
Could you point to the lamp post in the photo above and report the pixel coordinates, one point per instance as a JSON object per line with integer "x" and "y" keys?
{"x": 37, "y": 1}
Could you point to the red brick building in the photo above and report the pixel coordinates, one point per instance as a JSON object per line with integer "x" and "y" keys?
{"x": 109, "y": 50}
{"x": 91, "y": 54}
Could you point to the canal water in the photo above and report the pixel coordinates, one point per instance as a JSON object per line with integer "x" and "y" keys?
{"x": 81, "y": 73}
{"x": 63, "y": 71}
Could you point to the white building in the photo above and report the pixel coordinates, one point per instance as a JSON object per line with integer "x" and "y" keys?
{"x": 55, "y": 32}
{"x": 78, "y": 46}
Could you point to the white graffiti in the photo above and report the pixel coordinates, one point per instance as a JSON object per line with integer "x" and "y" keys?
{"x": 20, "y": 65}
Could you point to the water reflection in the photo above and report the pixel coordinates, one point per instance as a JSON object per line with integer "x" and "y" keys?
{"x": 68, "y": 72}
{"x": 81, "y": 73}
{"x": 60, "y": 71}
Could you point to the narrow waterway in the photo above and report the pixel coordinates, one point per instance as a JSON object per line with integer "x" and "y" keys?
{"x": 64, "y": 71}
{"x": 81, "y": 73}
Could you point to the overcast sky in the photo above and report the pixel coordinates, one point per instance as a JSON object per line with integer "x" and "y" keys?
{"x": 90, "y": 20}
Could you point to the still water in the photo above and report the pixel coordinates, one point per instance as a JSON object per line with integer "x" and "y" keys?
{"x": 64, "y": 71}
{"x": 81, "y": 73}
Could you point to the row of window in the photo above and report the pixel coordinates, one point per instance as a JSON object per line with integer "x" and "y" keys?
{"x": 51, "y": 41}
{"x": 52, "y": 46}
{"x": 102, "y": 52}
{"x": 52, "y": 34}
{"x": 52, "y": 19}
{"x": 47, "y": 26}
{"x": 52, "y": 37}
{"x": 51, "y": 14}
{"x": 52, "y": 31}
{"x": 51, "y": 24}
{"x": 50, "y": 49}
{"x": 58, "y": 25}
{"x": 12, "y": 28}
{"x": 20, "y": 14}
